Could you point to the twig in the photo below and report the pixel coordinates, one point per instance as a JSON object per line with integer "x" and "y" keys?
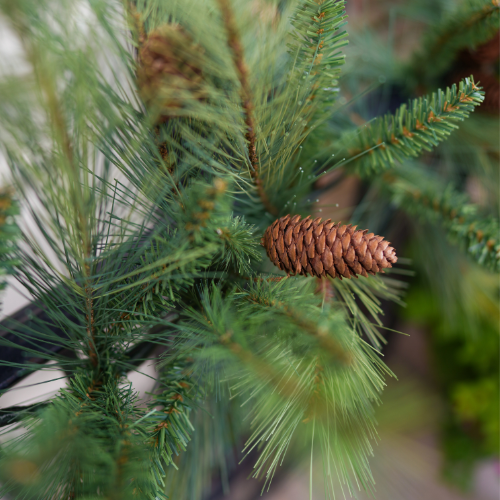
{"x": 246, "y": 99}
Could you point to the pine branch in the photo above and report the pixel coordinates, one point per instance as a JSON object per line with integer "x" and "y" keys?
{"x": 89, "y": 429}
{"x": 61, "y": 137}
{"x": 368, "y": 293}
{"x": 416, "y": 127}
{"x": 325, "y": 339}
{"x": 302, "y": 99}
{"x": 318, "y": 41}
{"x": 324, "y": 398}
{"x": 9, "y": 233}
{"x": 428, "y": 198}
{"x": 171, "y": 426}
{"x": 241, "y": 68}
{"x": 273, "y": 362}
{"x": 473, "y": 22}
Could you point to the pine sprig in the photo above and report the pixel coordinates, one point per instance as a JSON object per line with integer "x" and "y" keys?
{"x": 318, "y": 40}
{"x": 171, "y": 426}
{"x": 239, "y": 249}
{"x": 369, "y": 292}
{"x": 425, "y": 196}
{"x": 89, "y": 429}
{"x": 472, "y": 23}
{"x": 414, "y": 128}
{"x": 9, "y": 233}
{"x": 302, "y": 94}
{"x": 305, "y": 370}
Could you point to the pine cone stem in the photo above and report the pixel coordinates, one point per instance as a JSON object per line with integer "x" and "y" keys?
{"x": 323, "y": 249}
{"x": 236, "y": 47}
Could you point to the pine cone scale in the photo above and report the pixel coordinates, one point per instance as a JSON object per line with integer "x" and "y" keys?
{"x": 337, "y": 249}
{"x": 325, "y": 249}
{"x": 367, "y": 261}
{"x": 310, "y": 251}
{"x": 328, "y": 258}
{"x": 276, "y": 230}
{"x": 361, "y": 249}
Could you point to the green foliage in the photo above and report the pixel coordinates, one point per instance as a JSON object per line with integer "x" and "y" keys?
{"x": 470, "y": 24}
{"x": 309, "y": 364}
{"x": 316, "y": 50}
{"x": 146, "y": 218}
{"x": 424, "y": 195}
{"x": 9, "y": 232}
{"x": 478, "y": 402}
{"x": 171, "y": 427}
{"x": 464, "y": 352}
{"x": 416, "y": 127}
{"x": 84, "y": 446}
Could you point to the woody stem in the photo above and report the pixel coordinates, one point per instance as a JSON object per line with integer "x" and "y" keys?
{"x": 246, "y": 99}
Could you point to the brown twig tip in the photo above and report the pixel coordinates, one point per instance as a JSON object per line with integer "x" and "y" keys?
{"x": 315, "y": 248}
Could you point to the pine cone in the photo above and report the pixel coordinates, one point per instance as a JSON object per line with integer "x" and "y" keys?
{"x": 169, "y": 70}
{"x": 324, "y": 248}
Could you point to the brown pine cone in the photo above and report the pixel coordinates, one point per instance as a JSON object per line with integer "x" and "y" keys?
{"x": 169, "y": 70}
{"x": 325, "y": 248}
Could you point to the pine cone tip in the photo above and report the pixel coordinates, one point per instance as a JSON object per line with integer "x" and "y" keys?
{"x": 315, "y": 248}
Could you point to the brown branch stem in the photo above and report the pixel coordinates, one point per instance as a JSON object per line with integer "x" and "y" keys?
{"x": 236, "y": 47}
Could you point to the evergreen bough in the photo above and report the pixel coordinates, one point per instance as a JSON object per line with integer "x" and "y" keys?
{"x": 469, "y": 24}
{"x": 148, "y": 217}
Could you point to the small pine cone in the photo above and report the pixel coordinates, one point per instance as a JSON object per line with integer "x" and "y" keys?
{"x": 324, "y": 248}
{"x": 169, "y": 70}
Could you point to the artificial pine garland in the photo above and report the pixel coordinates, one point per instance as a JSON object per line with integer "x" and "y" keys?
{"x": 218, "y": 146}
